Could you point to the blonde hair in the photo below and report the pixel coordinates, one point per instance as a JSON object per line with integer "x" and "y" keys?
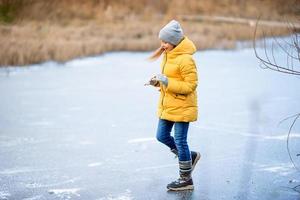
{"x": 156, "y": 54}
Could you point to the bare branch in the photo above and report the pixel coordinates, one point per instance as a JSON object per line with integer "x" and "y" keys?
{"x": 282, "y": 48}
{"x": 292, "y": 47}
{"x": 288, "y": 139}
{"x": 290, "y": 51}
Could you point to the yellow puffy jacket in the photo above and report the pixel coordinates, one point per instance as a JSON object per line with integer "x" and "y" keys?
{"x": 178, "y": 100}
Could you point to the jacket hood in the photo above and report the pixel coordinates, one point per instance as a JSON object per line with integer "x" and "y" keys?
{"x": 186, "y": 46}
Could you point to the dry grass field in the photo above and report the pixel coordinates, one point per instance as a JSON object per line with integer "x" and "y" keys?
{"x": 33, "y": 31}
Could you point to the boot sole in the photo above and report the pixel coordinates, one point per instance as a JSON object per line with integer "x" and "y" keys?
{"x": 188, "y": 187}
{"x": 196, "y": 160}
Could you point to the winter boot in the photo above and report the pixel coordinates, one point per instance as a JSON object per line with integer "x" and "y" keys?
{"x": 185, "y": 182}
{"x": 195, "y": 158}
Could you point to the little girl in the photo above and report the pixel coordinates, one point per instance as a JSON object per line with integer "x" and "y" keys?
{"x": 178, "y": 99}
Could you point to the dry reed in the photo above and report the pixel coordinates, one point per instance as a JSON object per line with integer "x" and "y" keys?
{"x": 62, "y": 30}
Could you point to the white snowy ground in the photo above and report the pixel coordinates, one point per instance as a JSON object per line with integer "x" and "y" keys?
{"x": 86, "y": 130}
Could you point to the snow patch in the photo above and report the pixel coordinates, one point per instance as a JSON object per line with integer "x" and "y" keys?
{"x": 95, "y": 164}
{"x": 65, "y": 193}
{"x": 19, "y": 170}
{"x": 4, "y": 195}
{"x": 124, "y": 196}
{"x": 33, "y": 185}
{"x": 10, "y": 142}
{"x": 34, "y": 198}
{"x": 283, "y": 169}
{"x": 222, "y": 130}
{"x": 39, "y": 185}
{"x": 281, "y": 137}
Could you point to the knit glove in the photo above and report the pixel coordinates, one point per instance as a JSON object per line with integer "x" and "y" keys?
{"x": 162, "y": 78}
{"x": 154, "y": 82}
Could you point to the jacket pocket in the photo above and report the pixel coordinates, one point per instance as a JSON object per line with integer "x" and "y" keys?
{"x": 180, "y": 96}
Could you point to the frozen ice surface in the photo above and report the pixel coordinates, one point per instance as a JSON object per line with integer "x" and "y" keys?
{"x": 86, "y": 130}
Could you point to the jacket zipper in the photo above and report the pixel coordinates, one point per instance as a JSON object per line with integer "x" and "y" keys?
{"x": 162, "y": 102}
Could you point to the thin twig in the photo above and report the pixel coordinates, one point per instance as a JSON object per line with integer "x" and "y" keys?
{"x": 273, "y": 65}
{"x": 288, "y": 139}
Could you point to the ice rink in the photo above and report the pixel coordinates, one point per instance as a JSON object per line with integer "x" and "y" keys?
{"x": 85, "y": 129}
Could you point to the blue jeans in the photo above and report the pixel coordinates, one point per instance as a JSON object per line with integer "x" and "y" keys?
{"x": 180, "y": 142}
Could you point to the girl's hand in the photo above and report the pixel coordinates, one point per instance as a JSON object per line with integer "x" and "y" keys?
{"x": 153, "y": 82}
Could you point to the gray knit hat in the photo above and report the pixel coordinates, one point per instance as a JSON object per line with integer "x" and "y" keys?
{"x": 171, "y": 33}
